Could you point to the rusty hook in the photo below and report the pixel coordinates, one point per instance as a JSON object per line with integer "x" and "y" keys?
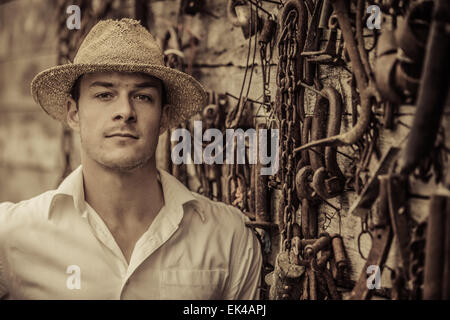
{"x": 302, "y": 179}
{"x": 328, "y": 188}
{"x": 367, "y": 91}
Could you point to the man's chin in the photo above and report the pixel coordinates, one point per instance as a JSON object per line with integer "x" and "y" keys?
{"x": 128, "y": 165}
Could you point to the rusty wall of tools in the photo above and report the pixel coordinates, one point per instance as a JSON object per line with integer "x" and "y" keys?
{"x": 363, "y": 176}
{"x": 359, "y": 207}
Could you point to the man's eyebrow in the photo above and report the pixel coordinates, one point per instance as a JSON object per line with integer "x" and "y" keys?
{"x": 101, "y": 84}
{"x": 147, "y": 84}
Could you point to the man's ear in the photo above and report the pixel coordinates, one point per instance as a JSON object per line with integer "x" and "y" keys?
{"x": 164, "y": 123}
{"x": 72, "y": 117}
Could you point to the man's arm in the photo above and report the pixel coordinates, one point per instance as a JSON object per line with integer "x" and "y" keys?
{"x": 3, "y": 290}
{"x": 245, "y": 268}
{"x": 3, "y": 216}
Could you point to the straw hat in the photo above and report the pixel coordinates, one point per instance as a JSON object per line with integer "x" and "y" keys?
{"x": 119, "y": 46}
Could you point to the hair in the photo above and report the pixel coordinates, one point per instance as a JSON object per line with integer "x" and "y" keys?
{"x": 75, "y": 92}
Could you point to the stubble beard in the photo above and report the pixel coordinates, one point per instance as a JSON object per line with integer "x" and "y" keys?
{"x": 121, "y": 165}
{"x": 126, "y": 166}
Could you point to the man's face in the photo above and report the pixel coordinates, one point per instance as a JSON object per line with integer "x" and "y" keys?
{"x": 119, "y": 118}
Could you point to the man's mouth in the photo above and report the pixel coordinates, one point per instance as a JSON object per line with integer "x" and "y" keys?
{"x": 123, "y": 135}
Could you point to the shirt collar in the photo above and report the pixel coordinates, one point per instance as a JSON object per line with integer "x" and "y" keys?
{"x": 176, "y": 195}
{"x": 71, "y": 186}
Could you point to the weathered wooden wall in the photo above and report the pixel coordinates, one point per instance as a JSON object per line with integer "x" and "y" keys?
{"x": 30, "y": 142}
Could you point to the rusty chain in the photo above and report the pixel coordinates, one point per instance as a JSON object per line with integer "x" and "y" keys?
{"x": 286, "y": 106}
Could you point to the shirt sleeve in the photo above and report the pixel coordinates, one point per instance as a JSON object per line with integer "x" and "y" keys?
{"x": 4, "y": 207}
{"x": 3, "y": 290}
{"x": 245, "y": 268}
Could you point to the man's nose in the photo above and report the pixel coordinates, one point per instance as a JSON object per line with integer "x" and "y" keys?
{"x": 124, "y": 110}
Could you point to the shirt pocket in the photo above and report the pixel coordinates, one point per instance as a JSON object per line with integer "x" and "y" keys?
{"x": 192, "y": 284}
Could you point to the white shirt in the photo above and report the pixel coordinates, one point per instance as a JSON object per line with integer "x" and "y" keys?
{"x": 55, "y": 246}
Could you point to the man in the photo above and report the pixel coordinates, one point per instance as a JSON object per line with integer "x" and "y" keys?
{"x": 117, "y": 227}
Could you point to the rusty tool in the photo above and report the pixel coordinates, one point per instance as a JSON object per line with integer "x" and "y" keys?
{"x": 417, "y": 259}
{"x": 385, "y": 67}
{"x": 339, "y": 255}
{"x": 412, "y": 32}
{"x": 309, "y": 214}
{"x": 240, "y": 14}
{"x": 326, "y": 23}
{"x": 285, "y": 280}
{"x": 398, "y": 212}
{"x": 446, "y": 275}
{"x": 325, "y": 14}
{"x": 328, "y": 180}
{"x": 303, "y": 179}
{"x": 311, "y": 250}
{"x": 306, "y": 127}
{"x": 261, "y": 206}
{"x": 331, "y": 286}
{"x": 312, "y": 42}
{"x": 268, "y": 31}
{"x": 433, "y": 91}
{"x": 360, "y": 8}
{"x": 369, "y": 194}
{"x": 295, "y": 244}
{"x": 367, "y": 91}
{"x": 312, "y": 283}
{"x": 434, "y": 248}
{"x": 318, "y": 131}
{"x": 381, "y": 243}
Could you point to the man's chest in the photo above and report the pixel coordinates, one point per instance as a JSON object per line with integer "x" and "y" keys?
{"x": 75, "y": 264}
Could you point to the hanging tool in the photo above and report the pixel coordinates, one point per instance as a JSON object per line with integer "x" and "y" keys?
{"x": 366, "y": 90}
{"x": 328, "y": 180}
{"x": 381, "y": 243}
{"x": 433, "y": 91}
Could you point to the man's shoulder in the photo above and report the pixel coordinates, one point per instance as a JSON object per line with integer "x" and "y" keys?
{"x": 33, "y": 208}
{"x": 220, "y": 212}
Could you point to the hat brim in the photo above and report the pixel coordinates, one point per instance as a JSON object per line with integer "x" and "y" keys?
{"x": 185, "y": 96}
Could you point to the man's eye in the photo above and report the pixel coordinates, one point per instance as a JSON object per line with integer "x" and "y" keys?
{"x": 143, "y": 97}
{"x": 104, "y": 96}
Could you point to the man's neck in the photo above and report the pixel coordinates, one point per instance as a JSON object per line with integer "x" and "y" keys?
{"x": 123, "y": 198}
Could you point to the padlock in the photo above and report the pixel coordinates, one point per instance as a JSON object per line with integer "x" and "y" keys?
{"x": 285, "y": 280}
